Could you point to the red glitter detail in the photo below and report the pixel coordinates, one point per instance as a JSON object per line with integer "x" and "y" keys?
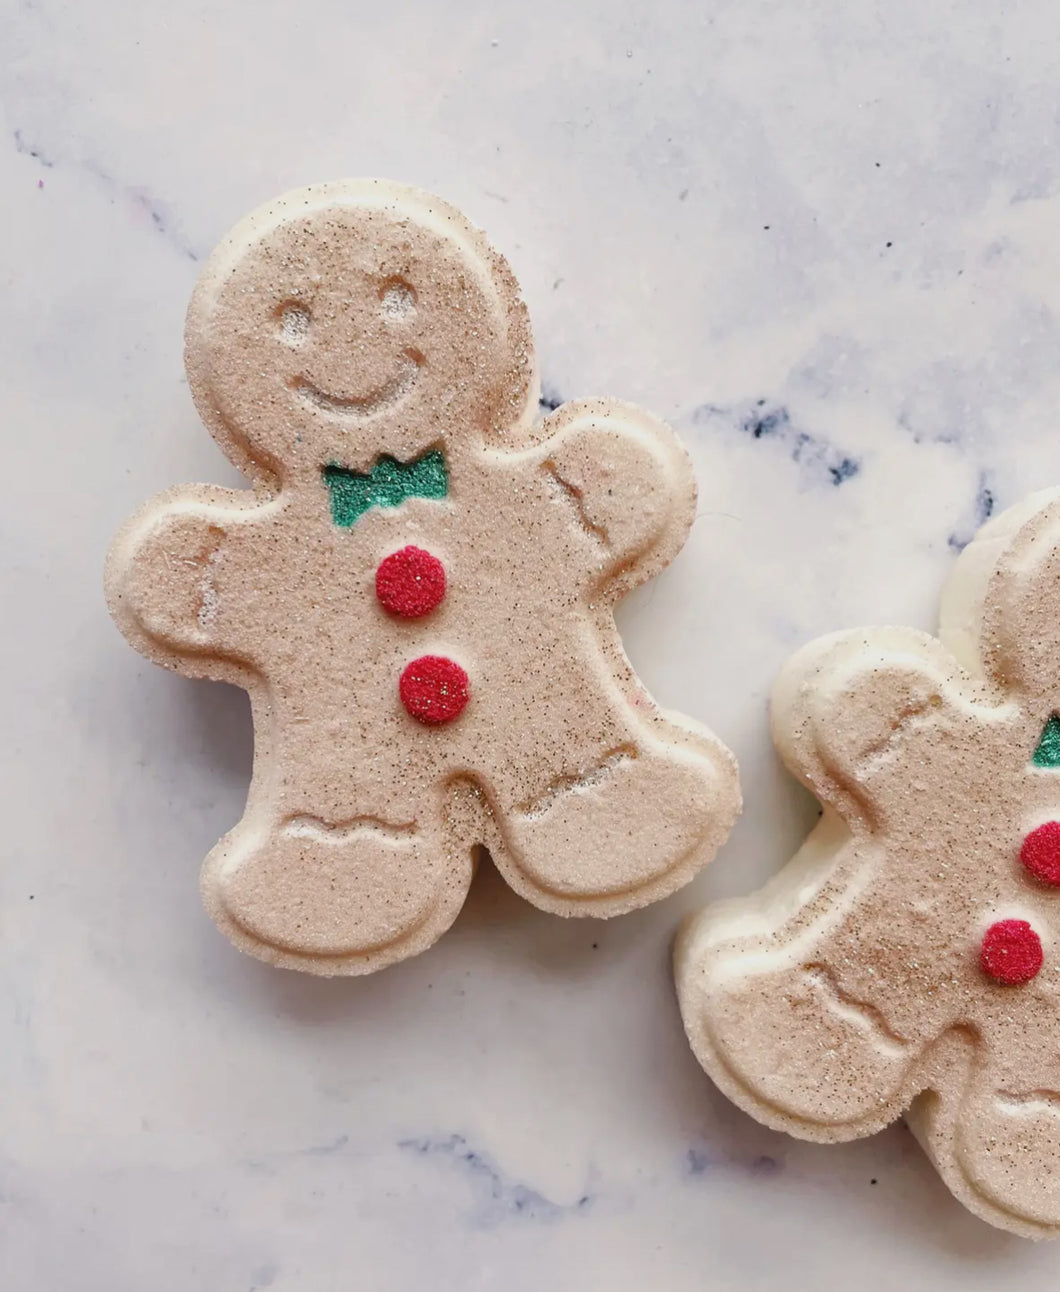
{"x": 410, "y": 583}
{"x": 434, "y": 689}
{"x": 1011, "y": 952}
{"x": 1041, "y": 852}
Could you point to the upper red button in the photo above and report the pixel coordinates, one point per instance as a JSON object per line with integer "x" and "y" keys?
{"x": 410, "y": 583}
{"x": 1041, "y": 852}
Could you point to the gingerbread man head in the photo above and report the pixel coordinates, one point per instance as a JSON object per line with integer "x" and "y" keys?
{"x": 353, "y": 319}
{"x": 418, "y": 594}
{"x": 908, "y": 959}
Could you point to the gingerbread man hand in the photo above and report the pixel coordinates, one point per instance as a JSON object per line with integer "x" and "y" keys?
{"x": 418, "y": 593}
{"x": 908, "y": 959}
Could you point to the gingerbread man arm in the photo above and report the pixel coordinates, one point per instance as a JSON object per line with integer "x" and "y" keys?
{"x": 840, "y": 703}
{"x": 630, "y": 479}
{"x": 169, "y": 572}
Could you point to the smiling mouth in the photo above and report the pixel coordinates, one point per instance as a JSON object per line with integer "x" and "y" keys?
{"x": 381, "y": 398}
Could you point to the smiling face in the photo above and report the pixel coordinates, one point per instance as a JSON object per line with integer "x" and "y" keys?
{"x": 347, "y": 321}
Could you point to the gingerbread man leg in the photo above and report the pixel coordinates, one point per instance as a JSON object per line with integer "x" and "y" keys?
{"x": 626, "y": 831}
{"x": 773, "y": 1023}
{"x": 996, "y": 1140}
{"x": 331, "y": 895}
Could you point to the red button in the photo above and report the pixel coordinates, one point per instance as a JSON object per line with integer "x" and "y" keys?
{"x": 434, "y": 689}
{"x": 1011, "y": 952}
{"x": 1041, "y": 852}
{"x": 410, "y": 583}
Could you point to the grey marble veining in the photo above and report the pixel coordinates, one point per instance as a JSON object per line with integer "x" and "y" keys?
{"x": 821, "y": 240}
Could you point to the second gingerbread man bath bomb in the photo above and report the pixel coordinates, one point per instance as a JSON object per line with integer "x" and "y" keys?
{"x": 417, "y": 593}
{"x": 907, "y": 960}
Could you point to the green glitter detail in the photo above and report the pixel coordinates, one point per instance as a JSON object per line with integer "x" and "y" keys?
{"x": 388, "y": 484}
{"x": 1048, "y": 752}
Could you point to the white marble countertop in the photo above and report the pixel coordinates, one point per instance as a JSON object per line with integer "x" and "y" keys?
{"x": 821, "y": 239}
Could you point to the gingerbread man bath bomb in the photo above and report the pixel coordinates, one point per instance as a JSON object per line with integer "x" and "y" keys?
{"x": 908, "y": 958}
{"x": 417, "y": 593}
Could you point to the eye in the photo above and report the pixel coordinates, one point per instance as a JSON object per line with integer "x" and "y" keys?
{"x": 397, "y": 300}
{"x": 294, "y": 322}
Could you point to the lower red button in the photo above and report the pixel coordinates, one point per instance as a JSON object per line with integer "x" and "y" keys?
{"x": 1011, "y": 952}
{"x": 434, "y": 689}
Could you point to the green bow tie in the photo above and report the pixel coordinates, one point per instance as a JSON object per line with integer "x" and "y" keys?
{"x": 387, "y": 484}
{"x": 1048, "y": 752}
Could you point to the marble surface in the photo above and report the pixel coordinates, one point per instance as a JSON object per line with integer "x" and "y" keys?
{"x": 821, "y": 240}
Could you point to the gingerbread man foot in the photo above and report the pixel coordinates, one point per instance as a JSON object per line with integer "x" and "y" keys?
{"x": 348, "y": 898}
{"x": 418, "y": 593}
{"x": 636, "y": 822}
{"x": 1006, "y": 1131}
